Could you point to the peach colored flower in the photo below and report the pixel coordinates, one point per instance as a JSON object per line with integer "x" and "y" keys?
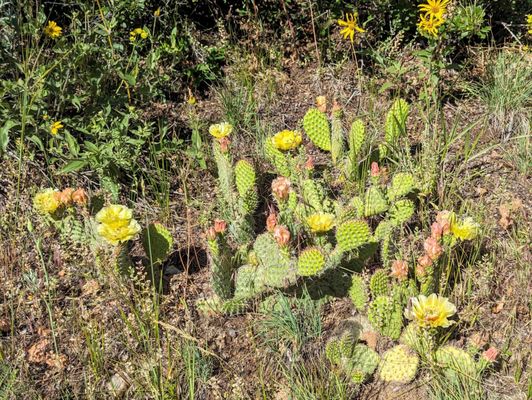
{"x": 65, "y": 196}
{"x": 399, "y": 269}
{"x": 321, "y": 103}
{"x": 220, "y": 226}
{"x": 271, "y": 222}
{"x": 445, "y": 219}
{"x": 281, "y": 235}
{"x": 281, "y": 187}
{"x": 224, "y": 144}
{"x": 423, "y": 263}
{"x": 432, "y": 248}
{"x": 375, "y": 171}
{"x": 436, "y": 230}
{"x": 491, "y": 354}
{"x": 309, "y": 164}
{"x": 80, "y": 197}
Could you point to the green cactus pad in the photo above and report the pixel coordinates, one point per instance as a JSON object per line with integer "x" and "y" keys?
{"x": 456, "y": 362}
{"x": 313, "y": 194}
{"x": 244, "y": 281}
{"x": 277, "y": 158}
{"x": 375, "y": 202}
{"x": 386, "y": 316}
{"x": 398, "y": 365}
{"x": 316, "y": 127}
{"x": 396, "y": 120}
{"x": 275, "y": 269}
{"x": 358, "y": 292}
{"x": 333, "y": 351}
{"x": 352, "y": 234}
{"x": 357, "y": 134}
{"x": 358, "y": 205}
{"x": 401, "y": 211}
{"x": 378, "y": 284}
{"x": 337, "y": 137}
{"x": 157, "y": 242}
{"x": 225, "y": 173}
{"x": 245, "y": 177}
{"x": 362, "y": 360}
{"x": 402, "y": 184}
{"x": 310, "y": 262}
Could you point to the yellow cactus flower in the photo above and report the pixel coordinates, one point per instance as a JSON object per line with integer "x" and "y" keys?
{"x": 434, "y": 8}
{"x": 320, "y": 222}
{"x": 221, "y": 130}
{"x": 467, "y": 229}
{"x": 54, "y": 128}
{"x": 116, "y": 224}
{"x": 287, "y": 140}
{"x": 46, "y": 201}
{"x": 350, "y": 26}
{"x": 52, "y": 30}
{"x": 430, "y": 312}
{"x": 429, "y": 24}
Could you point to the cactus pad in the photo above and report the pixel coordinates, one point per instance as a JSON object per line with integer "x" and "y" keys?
{"x": 311, "y": 262}
{"x": 352, "y": 234}
{"x": 157, "y": 242}
{"x": 396, "y": 120}
{"x": 274, "y": 263}
{"x": 386, "y": 316}
{"x": 402, "y": 184}
{"x": 244, "y": 281}
{"x": 456, "y": 361}
{"x": 316, "y": 127}
{"x": 401, "y": 211}
{"x": 313, "y": 194}
{"x": 244, "y": 177}
{"x": 398, "y": 365}
{"x": 375, "y": 202}
{"x": 358, "y": 292}
{"x": 378, "y": 284}
{"x": 357, "y": 134}
{"x": 277, "y": 158}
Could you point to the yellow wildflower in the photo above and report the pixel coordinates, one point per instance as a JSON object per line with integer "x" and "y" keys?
{"x": 350, "y": 26}
{"x": 117, "y": 224}
{"x": 529, "y": 23}
{"x": 287, "y": 140}
{"x": 429, "y": 24}
{"x": 52, "y": 30}
{"x": 191, "y": 100}
{"x": 140, "y": 32}
{"x": 434, "y": 8}
{"x": 46, "y": 201}
{"x": 54, "y": 128}
{"x": 320, "y": 222}
{"x": 467, "y": 229}
{"x": 430, "y": 312}
{"x": 221, "y": 130}
{"x": 157, "y": 13}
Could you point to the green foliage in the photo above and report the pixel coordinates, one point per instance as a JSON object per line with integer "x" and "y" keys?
{"x": 317, "y": 128}
{"x": 378, "y": 283}
{"x": 395, "y": 126}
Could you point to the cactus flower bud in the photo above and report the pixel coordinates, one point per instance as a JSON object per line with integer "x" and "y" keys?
{"x": 65, "y": 196}
{"x": 281, "y": 235}
{"x": 375, "y": 171}
{"x": 423, "y": 263}
{"x": 220, "y": 226}
{"x": 271, "y": 222}
{"x": 224, "y": 144}
{"x": 445, "y": 219}
{"x": 436, "y": 230}
{"x": 432, "y": 248}
{"x": 491, "y": 354}
{"x": 321, "y": 103}
{"x": 309, "y": 164}
{"x": 210, "y": 234}
{"x": 399, "y": 269}
{"x": 281, "y": 187}
{"x": 80, "y": 197}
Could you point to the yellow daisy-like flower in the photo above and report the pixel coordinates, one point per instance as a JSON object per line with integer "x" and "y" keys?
{"x": 142, "y": 33}
{"x": 54, "y": 128}
{"x": 52, "y": 30}
{"x": 287, "y": 140}
{"x": 467, "y": 229}
{"x": 434, "y": 8}
{"x": 350, "y": 26}
{"x": 221, "y": 130}
{"x": 116, "y": 224}
{"x": 430, "y": 312}
{"x": 320, "y": 222}
{"x": 529, "y": 23}
{"x": 429, "y": 24}
{"x": 46, "y": 201}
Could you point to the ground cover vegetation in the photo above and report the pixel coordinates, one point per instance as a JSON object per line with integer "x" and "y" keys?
{"x": 284, "y": 199}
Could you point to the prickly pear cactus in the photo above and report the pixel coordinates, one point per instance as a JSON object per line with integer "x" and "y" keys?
{"x": 316, "y": 127}
{"x": 157, "y": 242}
{"x": 357, "y": 135}
{"x": 275, "y": 269}
{"x": 310, "y": 262}
{"x": 352, "y": 234}
{"x": 386, "y": 316}
{"x": 396, "y": 120}
{"x": 225, "y": 174}
{"x": 358, "y": 292}
{"x": 401, "y": 211}
{"x": 245, "y": 281}
{"x": 378, "y": 284}
{"x": 337, "y": 137}
{"x": 221, "y": 267}
{"x": 245, "y": 183}
{"x": 398, "y": 365}
{"x": 313, "y": 194}
{"x": 456, "y": 362}
{"x": 375, "y": 202}
{"x": 402, "y": 184}
{"x": 277, "y": 158}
